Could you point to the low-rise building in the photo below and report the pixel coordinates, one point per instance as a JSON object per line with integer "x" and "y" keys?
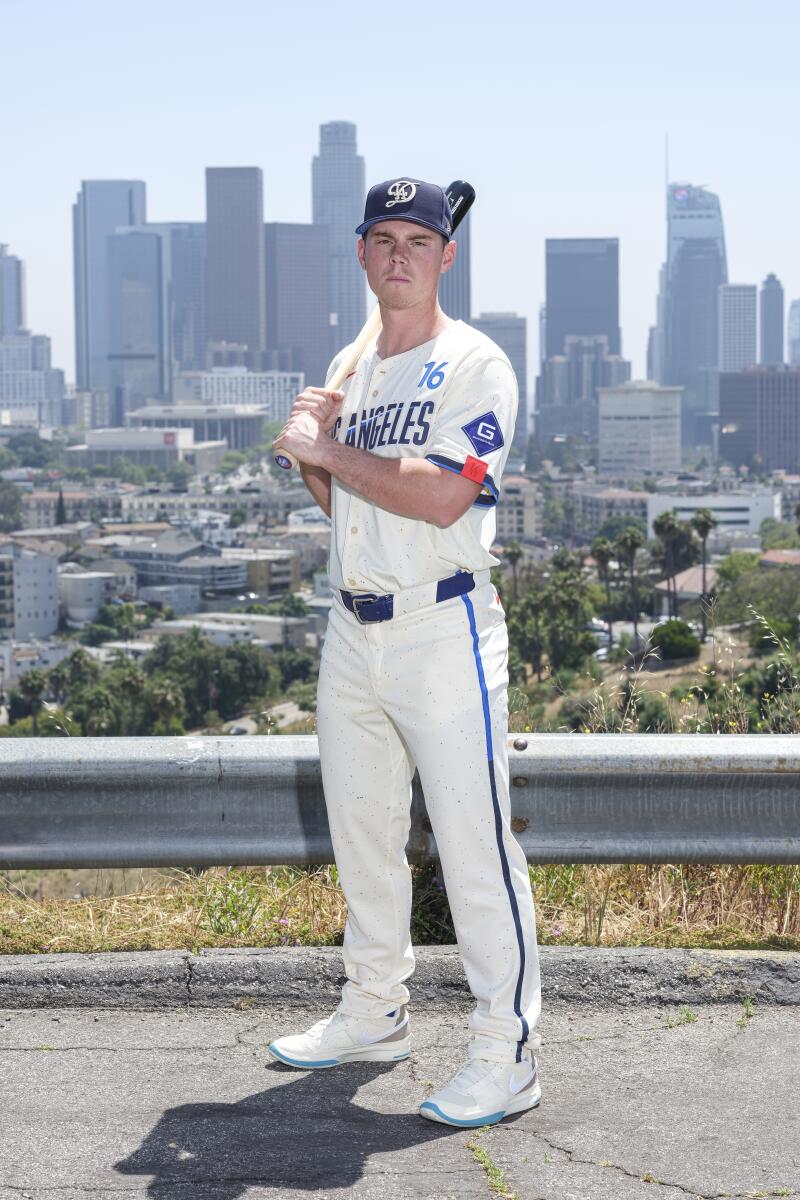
{"x": 269, "y": 572}
{"x": 240, "y": 425}
{"x": 161, "y": 448}
{"x": 595, "y": 505}
{"x": 177, "y": 557}
{"x": 734, "y": 511}
{"x": 83, "y": 594}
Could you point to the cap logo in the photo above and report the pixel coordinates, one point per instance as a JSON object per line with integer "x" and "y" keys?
{"x": 401, "y": 192}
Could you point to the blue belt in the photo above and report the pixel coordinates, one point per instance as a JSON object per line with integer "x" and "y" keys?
{"x": 368, "y": 607}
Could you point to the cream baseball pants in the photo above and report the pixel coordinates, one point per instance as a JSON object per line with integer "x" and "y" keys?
{"x": 428, "y": 689}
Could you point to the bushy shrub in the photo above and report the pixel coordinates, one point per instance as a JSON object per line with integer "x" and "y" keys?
{"x": 675, "y": 639}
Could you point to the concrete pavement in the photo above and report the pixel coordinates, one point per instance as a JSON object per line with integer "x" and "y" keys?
{"x": 644, "y": 1097}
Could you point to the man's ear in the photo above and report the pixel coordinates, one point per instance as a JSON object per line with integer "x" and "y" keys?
{"x": 362, "y": 250}
{"x": 448, "y": 257}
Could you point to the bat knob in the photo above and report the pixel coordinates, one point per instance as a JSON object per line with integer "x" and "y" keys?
{"x": 284, "y": 460}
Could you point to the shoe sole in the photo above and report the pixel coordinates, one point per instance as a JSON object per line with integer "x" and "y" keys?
{"x": 394, "y": 1053}
{"x": 434, "y": 1113}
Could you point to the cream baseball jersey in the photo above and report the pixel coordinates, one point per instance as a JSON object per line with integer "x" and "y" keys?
{"x": 452, "y": 400}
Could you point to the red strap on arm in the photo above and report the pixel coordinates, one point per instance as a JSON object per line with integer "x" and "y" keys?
{"x": 474, "y": 469}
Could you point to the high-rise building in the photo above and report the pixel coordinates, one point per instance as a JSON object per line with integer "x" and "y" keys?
{"x": 686, "y": 351}
{"x": 567, "y": 388}
{"x": 235, "y": 286}
{"x": 793, "y": 334}
{"x": 187, "y": 294}
{"x": 12, "y": 293}
{"x": 639, "y": 429}
{"x": 580, "y": 333}
{"x": 510, "y": 332}
{"x": 102, "y": 206}
{"x": 582, "y": 289}
{"x": 771, "y": 322}
{"x": 31, "y": 389}
{"x": 338, "y": 193}
{"x": 760, "y": 418}
{"x": 298, "y": 298}
{"x": 33, "y": 581}
{"x": 455, "y": 287}
{"x": 736, "y": 326}
{"x": 138, "y": 332}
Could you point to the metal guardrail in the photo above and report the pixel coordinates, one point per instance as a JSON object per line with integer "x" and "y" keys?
{"x": 594, "y": 798}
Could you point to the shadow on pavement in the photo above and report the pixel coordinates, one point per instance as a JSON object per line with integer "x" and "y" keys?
{"x": 305, "y": 1134}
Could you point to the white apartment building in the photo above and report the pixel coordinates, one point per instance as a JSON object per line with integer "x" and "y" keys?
{"x": 83, "y": 593}
{"x": 639, "y": 429}
{"x": 735, "y": 511}
{"x": 737, "y": 305}
{"x": 273, "y": 391}
{"x": 516, "y": 511}
{"x": 29, "y": 587}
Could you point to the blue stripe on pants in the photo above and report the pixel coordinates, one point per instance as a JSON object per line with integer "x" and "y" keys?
{"x": 498, "y": 825}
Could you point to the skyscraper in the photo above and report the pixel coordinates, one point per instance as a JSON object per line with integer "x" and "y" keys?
{"x": 12, "y": 293}
{"x": 455, "y": 288}
{"x": 771, "y": 322}
{"x": 338, "y": 193}
{"x": 696, "y": 266}
{"x": 138, "y": 345}
{"x": 793, "y": 334}
{"x": 187, "y": 294}
{"x": 102, "y": 206}
{"x": 736, "y": 330}
{"x": 510, "y": 332}
{"x": 582, "y": 290}
{"x": 235, "y": 287}
{"x": 298, "y": 298}
{"x": 760, "y": 418}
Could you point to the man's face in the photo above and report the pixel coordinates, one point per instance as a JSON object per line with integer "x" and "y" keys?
{"x": 403, "y": 261}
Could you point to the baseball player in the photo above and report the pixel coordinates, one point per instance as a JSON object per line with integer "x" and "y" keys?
{"x": 407, "y": 459}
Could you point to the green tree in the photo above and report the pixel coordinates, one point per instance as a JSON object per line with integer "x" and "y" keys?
{"x": 513, "y": 553}
{"x": 32, "y": 686}
{"x": 128, "y": 471}
{"x": 61, "y": 509}
{"x": 289, "y": 605}
{"x": 703, "y": 522}
{"x": 626, "y": 547}
{"x": 666, "y": 527}
{"x": 603, "y": 554}
{"x": 32, "y": 451}
{"x": 237, "y": 518}
{"x": 232, "y": 460}
{"x": 179, "y": 475}
{"x": 10, "y": 507}
{"x": 778, "y": 535}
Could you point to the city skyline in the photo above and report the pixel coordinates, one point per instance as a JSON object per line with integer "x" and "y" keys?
{"x": 540, "y": 171}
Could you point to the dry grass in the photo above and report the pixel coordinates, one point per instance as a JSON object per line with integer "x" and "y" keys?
{"x": 725, "y": 906}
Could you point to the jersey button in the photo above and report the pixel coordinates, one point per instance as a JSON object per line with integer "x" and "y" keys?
{"x": 354, "y": 529}
{"x": 352, "y": 583}
{"x": 375, "y": 392}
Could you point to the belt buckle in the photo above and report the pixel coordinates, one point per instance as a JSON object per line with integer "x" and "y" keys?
{"x": 364, "y": 598}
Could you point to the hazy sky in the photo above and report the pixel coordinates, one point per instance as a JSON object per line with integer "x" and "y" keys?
{"x": 556, "y": 113}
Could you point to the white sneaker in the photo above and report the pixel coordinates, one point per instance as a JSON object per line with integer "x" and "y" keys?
{"x": 341, "y": 1038}
{"x": 482, "y": 1092}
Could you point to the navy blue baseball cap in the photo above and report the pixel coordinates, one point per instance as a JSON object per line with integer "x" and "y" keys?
{"x": 408, "y": 200}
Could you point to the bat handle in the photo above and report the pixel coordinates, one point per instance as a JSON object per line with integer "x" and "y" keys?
{"x": 284, "y": 460}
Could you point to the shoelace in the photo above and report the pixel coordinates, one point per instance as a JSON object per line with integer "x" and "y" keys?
{"x": 473, "y": 1071}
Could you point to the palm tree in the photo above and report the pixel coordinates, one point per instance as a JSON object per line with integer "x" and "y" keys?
{"x": 667, "y": 529}
{"x": 702, "y": 523}
{"x": 32, "y": 685}
{"x": 514, "y": 554}
{"x": 603, "y": 554}
{"x": 625, "y": 548}
{"x": 167, "y": 699}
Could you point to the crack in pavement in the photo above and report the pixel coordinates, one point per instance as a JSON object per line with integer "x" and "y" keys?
{"x": 605, "y": 1166}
